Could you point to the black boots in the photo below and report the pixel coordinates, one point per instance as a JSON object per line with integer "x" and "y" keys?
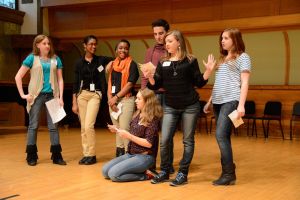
{"x": 32, "y": 156}
{"x": 120, "y": 151}
{"x": 228, "y": 176}
{"x": 56, "y": 155}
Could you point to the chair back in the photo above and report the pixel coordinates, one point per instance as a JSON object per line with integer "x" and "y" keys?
{"x": 250, "y": 108}
{"x": 296, "y": 108}
{"x": 273, "y": 108}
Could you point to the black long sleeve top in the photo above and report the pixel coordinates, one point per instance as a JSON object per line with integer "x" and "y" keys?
{"x": 91, "y": 72}
{"x": 179, "y": 79}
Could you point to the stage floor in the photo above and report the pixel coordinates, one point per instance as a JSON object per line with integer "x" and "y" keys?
{"x": 266, "y": 170}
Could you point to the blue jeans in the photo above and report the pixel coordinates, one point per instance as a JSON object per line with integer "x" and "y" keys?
{"x": 161, "y": 99}
{"x": 171, "y": 116}
{"x": 128, "y": 167}
{"x": 223, "y": 130}
{"x": 34, "y": 116}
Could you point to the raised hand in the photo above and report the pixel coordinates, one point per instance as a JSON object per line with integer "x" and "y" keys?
{"x": 211, "y": 62}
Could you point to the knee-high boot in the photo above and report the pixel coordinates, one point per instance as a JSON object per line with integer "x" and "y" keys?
{"x": 56, "y": 155}
{"x": 32, "y": 156}
{"x": 228, "y": 176}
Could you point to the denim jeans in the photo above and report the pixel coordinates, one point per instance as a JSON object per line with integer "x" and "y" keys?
{"x": 223, "y": 130}
{"x": 161, "y": 99}
{"x": 128, "y": 167}
{"x": 171, "y": 116}
{"x": 34, "y": 116}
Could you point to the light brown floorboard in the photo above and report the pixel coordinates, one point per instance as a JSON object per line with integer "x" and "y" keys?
{"x": 266, "y": 170}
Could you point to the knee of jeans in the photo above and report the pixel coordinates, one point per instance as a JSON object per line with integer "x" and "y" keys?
{"x": 112, "y": 176}
{"x": 105, "y": 172}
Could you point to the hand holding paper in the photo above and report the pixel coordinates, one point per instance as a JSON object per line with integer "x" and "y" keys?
{"x": 236, "y": 120}
{"x": 56, "y": 111}
{"x": 148, "y": 69}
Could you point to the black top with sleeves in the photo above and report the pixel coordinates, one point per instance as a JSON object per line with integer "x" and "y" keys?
{"x": 180, "y": 89}
{"x": 116, "y": 78}
{"x": 88, "y": 72}
{"x": 150, "y": 133}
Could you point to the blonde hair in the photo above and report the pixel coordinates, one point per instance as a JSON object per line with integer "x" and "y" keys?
{"x": 237, "y": 42}
{"x": 152, "y": 109}
{"x": 182, "y": 50}
{"x": 37, "y": 40}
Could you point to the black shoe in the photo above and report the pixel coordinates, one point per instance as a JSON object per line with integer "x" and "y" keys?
{"x": 59, "y": 161}
{"x": 82, "y": 161}
{"x": 180, "y": 179}
{"x": 225, "y": 179}
{"x": 172, "y": 170}
{"x": 160, "y": 178}
{"x": 90, "y": 160}
{"x": 32, "y": 162}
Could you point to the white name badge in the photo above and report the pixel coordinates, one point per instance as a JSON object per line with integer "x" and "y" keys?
{"x": 54, "y": 61}
{"x": 166, "y": 63}
{"x": 92, "y": 87}
{"x": 100, "y": 68}
{"x": 113, "y": 89}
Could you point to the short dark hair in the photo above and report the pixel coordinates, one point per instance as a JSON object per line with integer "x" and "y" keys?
{"x": 123, "y": 40}
{"x": 161, "y": 22}
{"x": 88, "y": 38}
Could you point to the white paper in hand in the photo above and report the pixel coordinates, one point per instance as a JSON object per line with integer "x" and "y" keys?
{"x": 116, "y": 115}
{"x": 148, "y": 67}
{"x": 56, "y": 112}
{"x": 235, "y": 120}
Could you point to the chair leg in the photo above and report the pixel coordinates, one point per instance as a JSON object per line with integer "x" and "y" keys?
{"x": 263, "y": 124}
{"x": 248, "y": 127}
{"x": 281, "y": 129}
{"x": 291, "y": 130}
{"x": 254, "y": 127}
{"x": 268, "y": 128}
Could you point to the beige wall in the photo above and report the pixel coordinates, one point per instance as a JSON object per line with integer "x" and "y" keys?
{"x": 267, "y": 51}
{"x": 29, "y": 25}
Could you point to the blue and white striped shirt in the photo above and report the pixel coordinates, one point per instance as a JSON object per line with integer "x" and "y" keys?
{"x": 227, "y": 85}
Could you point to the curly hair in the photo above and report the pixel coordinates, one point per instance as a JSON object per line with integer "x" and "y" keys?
{"x": 152, "y": 109}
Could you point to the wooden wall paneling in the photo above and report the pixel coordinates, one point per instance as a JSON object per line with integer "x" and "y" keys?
{"x": 195, "y": 10}
{"x": 233, "y": 9}
{"x": 144, "y": 12}
{"x": 289, "y": 6}
{"x": 106, "y": 16}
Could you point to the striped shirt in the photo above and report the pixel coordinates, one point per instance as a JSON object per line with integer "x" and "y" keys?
{"x": 227, "y": 85}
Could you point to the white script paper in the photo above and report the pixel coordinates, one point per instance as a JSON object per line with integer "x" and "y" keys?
{"x": 56, "y": 112}
{"x": 235, "y": 120}
{"x": 116, "y": 115}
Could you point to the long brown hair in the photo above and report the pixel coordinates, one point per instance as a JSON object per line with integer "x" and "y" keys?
{"x": 37, "y": 40}
{"x": 182, "y": 50}
{"x": 152, "y": 109}
{"x": 237, "y": 41}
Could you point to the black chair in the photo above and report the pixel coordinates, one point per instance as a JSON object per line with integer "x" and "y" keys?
{"x": 202, "y": 115}
{"x": 250, "y": 110}
{"x": 272, "y": 111}
{"x": 295, "y": 117}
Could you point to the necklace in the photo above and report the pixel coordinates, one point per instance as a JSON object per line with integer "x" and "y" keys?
{"x": 174, "y": 68}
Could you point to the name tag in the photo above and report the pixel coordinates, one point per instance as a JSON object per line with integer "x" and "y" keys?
{"x": 113, "y": 89}
{"x": 100, "y": 68}
{"x": 92, "y": 87}
{"x": 54, "y": 61}
{"x": 166, "y": 63}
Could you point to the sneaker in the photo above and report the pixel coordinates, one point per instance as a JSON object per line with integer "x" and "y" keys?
{"x": 180, "y": 179}
{"x": 82, "y": 161}
{"x": 149, "y": 175}
{"x": 90, "y": 160}
{"x": 160, "y": 178}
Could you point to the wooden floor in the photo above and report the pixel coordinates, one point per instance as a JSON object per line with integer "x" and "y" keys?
{"x": 266, "y": 170}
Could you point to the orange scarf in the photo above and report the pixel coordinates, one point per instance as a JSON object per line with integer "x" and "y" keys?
{"x": 123, "y": 67}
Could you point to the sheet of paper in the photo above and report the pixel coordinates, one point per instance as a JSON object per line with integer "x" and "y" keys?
{"x": 116, "y": 115}
{"x": 56, "y": 112}
{"x": 237, "y": 121}
{"x": 148, "y": 67}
